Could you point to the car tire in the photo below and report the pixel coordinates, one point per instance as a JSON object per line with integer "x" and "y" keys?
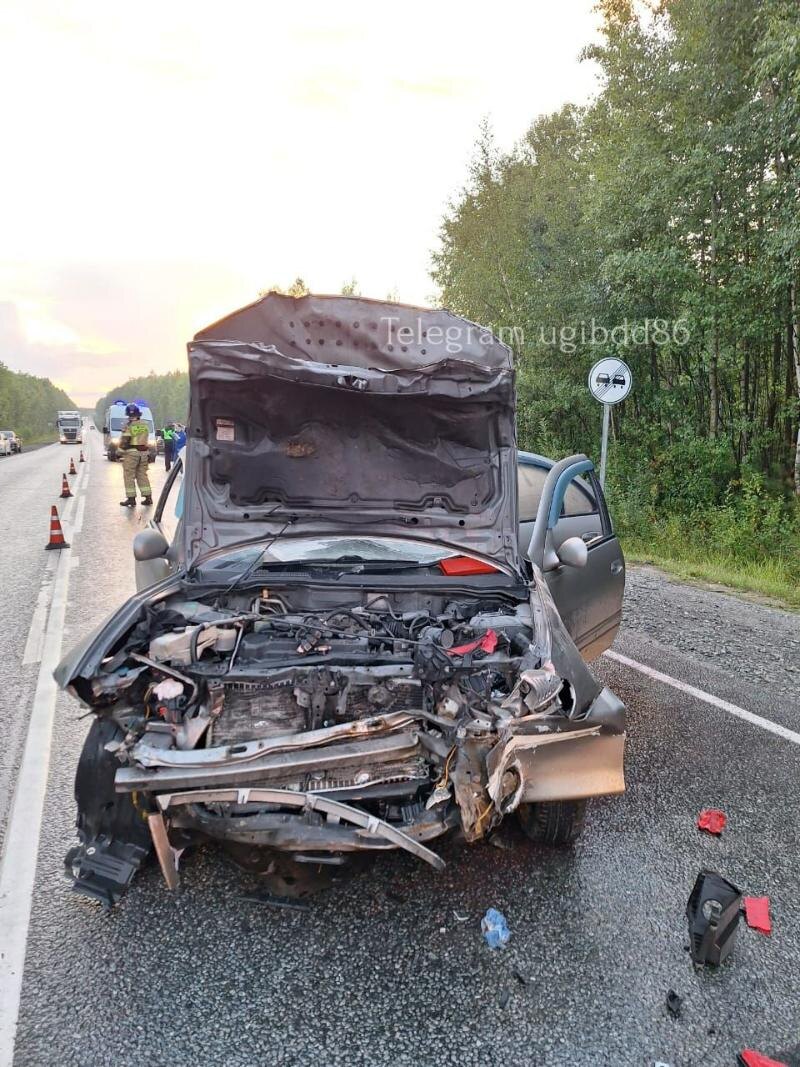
{"x": 101, "y": 810}
{"x": 553, "y": 822}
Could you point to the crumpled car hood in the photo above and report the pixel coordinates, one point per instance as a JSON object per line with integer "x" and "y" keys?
{"x": 321, "y": 415}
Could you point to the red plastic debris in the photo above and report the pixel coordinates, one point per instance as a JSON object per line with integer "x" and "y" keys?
{"x": 487, "y": 643}
{"x": 712, "y": 819}
{"x": 750, "y": 1058}
{"x": 756, "y": 912}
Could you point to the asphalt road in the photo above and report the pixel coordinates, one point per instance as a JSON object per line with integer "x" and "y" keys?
{"x": 390, "y": 967}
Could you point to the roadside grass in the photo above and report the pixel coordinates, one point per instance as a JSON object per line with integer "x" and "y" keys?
{"x": 774, "y": 576}
{"x": 42, "y": 439}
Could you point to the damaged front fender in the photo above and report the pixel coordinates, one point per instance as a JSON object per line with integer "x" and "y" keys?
{"x": 546, "y": 758}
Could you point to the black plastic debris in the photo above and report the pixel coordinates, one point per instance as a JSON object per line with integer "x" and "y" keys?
{"x": 674, "y": 1003}
{"x": 713, "y": 912}
{"x": 282, "y": 903}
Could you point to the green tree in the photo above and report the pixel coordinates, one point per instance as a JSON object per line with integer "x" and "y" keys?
{"x": 167, "y": 396}
{"x": 297, "y": 288}
{"x": 671, "y": 200}
{"x": 28, "y": 405}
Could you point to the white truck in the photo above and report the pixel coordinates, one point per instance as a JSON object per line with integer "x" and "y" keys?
{"x": 70, "y": 427}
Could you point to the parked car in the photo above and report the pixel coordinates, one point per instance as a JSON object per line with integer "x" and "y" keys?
{"x": 349, "y": 642}
{"x": 5, "y": 445}
{"x": 14, "y": 442}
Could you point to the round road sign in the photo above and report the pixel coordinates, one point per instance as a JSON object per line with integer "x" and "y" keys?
{"x": 610, "y": 380}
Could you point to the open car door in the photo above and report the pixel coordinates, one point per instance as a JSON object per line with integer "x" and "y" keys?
{"x": 155, "y": 548}
{"x": 574, "y": 545}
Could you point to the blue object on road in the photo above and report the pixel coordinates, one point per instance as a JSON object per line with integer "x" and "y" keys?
{"x": 495, "y": 928}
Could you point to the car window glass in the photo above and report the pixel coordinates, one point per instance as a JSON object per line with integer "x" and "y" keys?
{"x": 578, "y": 499}
{"x": 530, "y": 481}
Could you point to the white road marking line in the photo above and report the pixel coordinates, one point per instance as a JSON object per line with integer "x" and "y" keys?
{"x": 18, "y": 867}
{"x": 707, "y": 698}
{"x": 21, "y": 847}
{"x": 35, "y": 642}
{"x": 78, "y": 524}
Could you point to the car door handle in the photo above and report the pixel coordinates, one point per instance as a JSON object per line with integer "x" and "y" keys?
{"x": 617, "y": 566}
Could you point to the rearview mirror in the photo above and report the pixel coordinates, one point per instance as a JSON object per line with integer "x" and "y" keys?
{"x": 572, "y": 552}
{"x": 149, "y": 544}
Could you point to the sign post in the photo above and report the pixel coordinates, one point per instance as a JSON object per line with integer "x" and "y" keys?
{"x": 610, "y": 381}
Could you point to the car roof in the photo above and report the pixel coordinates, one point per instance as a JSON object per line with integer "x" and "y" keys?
{"x": 533, "y": 459}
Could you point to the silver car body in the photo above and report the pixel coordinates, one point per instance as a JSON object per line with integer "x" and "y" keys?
{"x": 348, "y": 646}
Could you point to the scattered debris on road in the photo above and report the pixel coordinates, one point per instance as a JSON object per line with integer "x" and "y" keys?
{"x": 503, "y": 999}
{"x": 495, "y": 928}
{"x": 713, "y": 911}
{"x": 282, "y": 903}
{"x": 501, "y": 841}
{"x": 750, "y": 1058}
{"x": 756, "y": 913}
{"x": 674, "y": 1003}
{"x": 712, "y": 820}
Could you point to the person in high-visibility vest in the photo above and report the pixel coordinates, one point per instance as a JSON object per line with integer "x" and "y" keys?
{"x": 134, "y": 445}
{"x": 168, "y": 434}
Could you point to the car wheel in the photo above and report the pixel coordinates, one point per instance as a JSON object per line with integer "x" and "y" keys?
{"x": 553, "y": 822}
{"x": 101, "y": 810}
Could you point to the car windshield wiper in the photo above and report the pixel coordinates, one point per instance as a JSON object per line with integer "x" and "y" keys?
{"x": 347, "y": 563}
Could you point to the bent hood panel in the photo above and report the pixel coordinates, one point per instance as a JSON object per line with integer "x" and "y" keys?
{"x": 346, "y": 416}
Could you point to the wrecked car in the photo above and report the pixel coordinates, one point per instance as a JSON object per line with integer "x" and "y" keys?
{"x": 351, "y": 643}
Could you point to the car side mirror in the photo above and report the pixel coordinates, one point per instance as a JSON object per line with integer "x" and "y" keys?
{"x": 571, "y": 553}
{"x": 105, "y": 429}
{"x": 149, "y": 544}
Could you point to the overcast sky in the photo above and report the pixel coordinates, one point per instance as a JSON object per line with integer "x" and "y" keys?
{"x": 164, "y": 161}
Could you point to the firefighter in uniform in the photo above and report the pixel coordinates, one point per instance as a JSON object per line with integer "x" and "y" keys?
{"x": 134, "y": 445}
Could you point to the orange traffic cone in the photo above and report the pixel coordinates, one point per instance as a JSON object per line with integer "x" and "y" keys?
{"x": 81, "y": 459}
{"x": 65, "y": 490}
{"x": 71, "y": 466}
{"x": 56, "y": 533}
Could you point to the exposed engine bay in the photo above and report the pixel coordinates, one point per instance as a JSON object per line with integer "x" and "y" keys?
{"x": 318, "y": 720}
